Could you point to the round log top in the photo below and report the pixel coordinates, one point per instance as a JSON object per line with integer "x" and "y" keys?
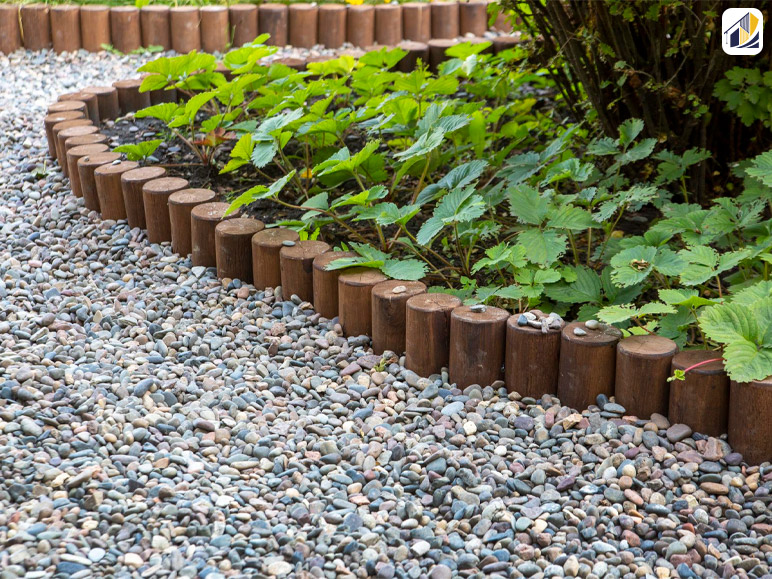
{"x": 361, "y": 276}
{"x": 304, "y": 249}
{"x": 98, "y": 159}
{"x": 210, "y": 211}
{"x": 94, "y": 8}
{"x": 213, "y": 8}
{"x": 239, "y": 227}
{"x": 648, "y": 346}
{"x": 155, "y": 8}
{"x": 242, "y": 7}
{"x": 512, "y": 323}
{"x": 124, "y": 9}
{"x": 54, "y": 118}
{"x": 165, "y": 185}
{"x": 303, "y": 7}
{"x": 433, "y": 302}
{"x": 79, "y": 96}
{"x": 394, "y": 289}
{"x": 332, "y": 7}
{"x": 684, "y": 360}
{"x": 322, "y": 260}
{"x": 143, "y": 174}
{"x": 61, "y": 106}
{"x": 113, "y": 168}
{"x": 274, "y": 237}
{"x": 478, "y": 315}
{"x": 73, "y": 123}
{"x": 128, "y": 83}
{"x": 192, "y": 197}
{"x": 184, "y": 9}
{"x": 590, "y": 337}
{"x": 78, "y": 131}
{"x": 442, "y": 42}
{"x": 92, "y": 139}
{"x": 101, "y": 89}
{"x": 65, "y": 8}
{"x": 83, "y": 150}
{"x": 412, "y": 45}
{"x": 272, "y": 7}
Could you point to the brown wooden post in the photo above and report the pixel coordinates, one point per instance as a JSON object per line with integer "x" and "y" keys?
{"x": 185, "y": 27}
{"x": 65, "y": 27}
{"x": 181, "y": 204}
{"x": 297, "y": 271}
{"x": 415, "y": 50}
{"x": 72, "y": 142}
{"x": 129, "y": 98}
{"x": 10, "y": 29}
{"x": 154, "y": 22}
{"x": 477, "y": 338}
{"x": 389, "y": 304}
{"x": 94, "y": 26}
{"x": 388, "y": 24}
{"x": 355, "y": 286}
{"x": 332, "y": 25}
{"x": 266, "y": 264}
{"x": 303, "y": 22}
{"x": 155, "y": 195}
{"x": 108, "y": 186}
{"x": 55, "y": 119}
{"x": 642, "y": 370}
{"x": 62, "y": 106}
{"x": 163, "y": 96}
{"x": 701, "y": 400}
{"x": 326, "y": 282}
{"x": 107, "y": 97}
{"x": 532, "y": 359}
{"x": 427, "y": 332}
{"x": 214, "y": 28}
{"x": 124, "y": 28}
{"x": 587, "y": 365}
{"x": 131, "y": 186}
{"x": 750, "y": 427}
{"x": 86, "y": 167}
{"x": 360, "y": 25}
{"x": 273, "y": 19}
{"x": 58, "y": 128}
{"x": 73, "y": 156}
{"x": 203, "y": 220}
{"x": 61, "y": 139}
{"x": 502, "y": 43}
{"x": 417, "y": 21}
{"x": 445, "y": 20}
{"x": 35, "y": 26}
{"x": 473, "y": 17}
{"x": 233, "y": 246}
{"x": 243, "y": 23}
{"x": 90, "y": 99}
{"x": 437, "y": 48}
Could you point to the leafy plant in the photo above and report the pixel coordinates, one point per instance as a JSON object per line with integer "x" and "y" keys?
{"x": 140, "y": 151}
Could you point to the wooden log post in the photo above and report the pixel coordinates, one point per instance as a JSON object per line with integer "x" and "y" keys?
{"x": 109, "y": 191}
{"x": 266, "y": 262}
{"x": 437, "y": 48}
{"x": 73, "y": 156}
{"x": 750, "y": 430}
{"x": 155, "y": 196}
{"x": 587, "y": 365}
{"x": 477, "y": 338}
{"x": 86, "y": 167}
{"x": 445, "y": 20}
{"x": 163, "y": 96}
{"x": 415, "y": 51}
{"x": 642, "y": 370}
{"x": 35, "y": 26}
{"x": 532, "y": 359}
{"x": 124, "y": 28}
{"x": 360, "y": 25}
{"x": 473, "y": 17}
{"x": 65, "y": 27}
{"x": 417, "y": 21}
{"x": 129, "y": 98}
{"x": 90, "y": 99}
{"x": 185, "y": 25}
{"x": 61, "y": 140}
{"x": 214, "y": 28}
{"x": 243, "y": 24}
{"x": 332, "y": 25}
{"x": 355, "y": 313}
{"x": 94, "y": 26}
{"x": 233, "y": 245}
{"x": 389, "y": 305}
{"x": 203, "y": 220}
{"x": 55, "y": 119}
{"x": 133, "y": 199}
{"x": 10, "y": 29}
{"x": 273, "y": 19}
{"x": 303, "y": 24}
{"x": 181, "y": 204}
{"x": 58, "y": 128}
{"x": 388, "y": 24}
{"x": 62, "y": 106}
{"x": 326, "y": 282}
{"x": 107, "y": 99}
{"x": 701, "y": 400}
{"x": 297, "y": 270}
{"x": 427, "y": 332}
{"x": 154, "y": 22}
{"x": 72, "y": 142}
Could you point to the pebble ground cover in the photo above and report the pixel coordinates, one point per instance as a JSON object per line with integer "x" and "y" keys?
{"x": 155, "y": 421}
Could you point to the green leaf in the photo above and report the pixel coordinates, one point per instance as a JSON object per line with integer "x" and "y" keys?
{"x": 761, "y": 168}
{"x": 617, "y": 314}
{"x": 458, "y": 177}
{"x": 586, "y": 288}
{"x": 259, "y": 192}
{"x": 164, "y": 112}
{"x": 140, "y": 151}
{"x": 753, "y": 294}
{"x": 527, "y": 204}
{"x": 632, "y": 266}
{"x": 425, "y": 144}
{"x": 406, "y": 269}
{"x": 629, "y": 130}
{"x": 543, "y": 247}
{"x": 684, "y": 297}
{"x": 570, "y": 217}
{"x": 727, "y": 323}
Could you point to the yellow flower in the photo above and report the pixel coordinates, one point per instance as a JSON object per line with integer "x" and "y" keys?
{"x": 355, "y": 2}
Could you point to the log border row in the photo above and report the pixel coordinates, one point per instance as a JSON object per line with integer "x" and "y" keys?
{"x": 213, "y": 28}
{"x": 578, "y": 363}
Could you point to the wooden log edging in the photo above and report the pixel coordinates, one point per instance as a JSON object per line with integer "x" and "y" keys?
{"x": 478, "y": 345}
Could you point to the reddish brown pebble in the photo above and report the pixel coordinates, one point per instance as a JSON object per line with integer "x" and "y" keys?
{"x": 701, "y": 400}
{"x": 417, "y": 21}
{"x": 297, "y": 270}
{"x": 154, "y": 22}
{"x": 233, "y": 246}
{"x": 181, "y": 204}
{"x": 203, "y": 220}
{"x": 273, "y": 19}
{"x": 332, "y": 25}
{"x": 354, "y": 295}
{"x": 185, "y": 26}
{"x": 129, "y": 98}
{"x": 155, "y": 195}
{"x": 477, "y": 345}
{"x": 10, "y": 29}
{"x": 214, "y": 28}
{"x": 35, "y": 26}
{"x": 445, "y": 20}
{"x": 108, "y": 186}
{"x": 642, "y": 370}
{"x": 243, "y": 23}
{"x": 107, "y": 99}
{"x": 266, "y": 264}
{"x": 131, "y": 186}
{"x": 95, "y": 26}
{"x": 427, "y": 332}
{"x": 73, "y": 156}
{"x": 750, "y": 429}
{"x": 389, "y": 302}
{"x": 532, "y": 359}
{"x": 360, "y": 25}
{"x": 124, "y": 28}
{"x": 86, "y": 167}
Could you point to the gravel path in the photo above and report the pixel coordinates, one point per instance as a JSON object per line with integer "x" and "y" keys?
{"x": 154, "y": 423}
